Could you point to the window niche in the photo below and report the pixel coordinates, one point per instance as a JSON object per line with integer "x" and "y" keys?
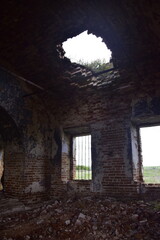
{"x": 136, "y": 154}
{"x": 76, "y": 154}
{"x": 145, "y": 137}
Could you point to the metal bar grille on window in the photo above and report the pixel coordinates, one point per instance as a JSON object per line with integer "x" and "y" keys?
{"x": 83, "y": 158}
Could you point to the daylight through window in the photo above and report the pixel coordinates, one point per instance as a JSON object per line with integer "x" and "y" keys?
{"x": 150, "y": 145}
{"x": 82, "y": 157}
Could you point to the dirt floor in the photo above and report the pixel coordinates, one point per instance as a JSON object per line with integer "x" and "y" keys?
{"x": 83, "y": 218}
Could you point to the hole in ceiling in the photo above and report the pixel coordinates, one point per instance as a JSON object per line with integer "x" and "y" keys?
{"x": 88, "y": 50}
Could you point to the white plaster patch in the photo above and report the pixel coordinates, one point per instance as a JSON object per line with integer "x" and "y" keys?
{"x": 34, "y": 187}
{"x": 65, "y": 148}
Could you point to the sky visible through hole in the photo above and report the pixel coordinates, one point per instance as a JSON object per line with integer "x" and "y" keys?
{"x": 150, "y": 139}
{"x": 87, "y": 48}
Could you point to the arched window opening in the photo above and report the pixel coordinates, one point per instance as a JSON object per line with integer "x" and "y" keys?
{"x": 88, "y": 50}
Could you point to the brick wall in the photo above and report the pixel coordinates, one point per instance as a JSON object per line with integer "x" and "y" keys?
{"x": 110, "y": 114}
{"x": 14, "y": 173}
{"x": 38, "y": 163}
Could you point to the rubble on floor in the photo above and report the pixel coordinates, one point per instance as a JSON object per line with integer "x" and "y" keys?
{"x": 86, "y": 218}
{"x": 11, "y": 205}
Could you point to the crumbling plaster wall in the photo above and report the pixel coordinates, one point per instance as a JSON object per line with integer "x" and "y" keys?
{"x": 29, "y": 153}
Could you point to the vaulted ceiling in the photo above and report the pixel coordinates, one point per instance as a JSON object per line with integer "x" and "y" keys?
{"x": 30, "y": 32}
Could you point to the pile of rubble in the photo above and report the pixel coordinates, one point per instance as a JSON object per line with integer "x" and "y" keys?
{"x": 86, "y": 218}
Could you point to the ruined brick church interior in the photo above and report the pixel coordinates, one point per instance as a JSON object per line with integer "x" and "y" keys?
{"x": 47, "y": 102}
